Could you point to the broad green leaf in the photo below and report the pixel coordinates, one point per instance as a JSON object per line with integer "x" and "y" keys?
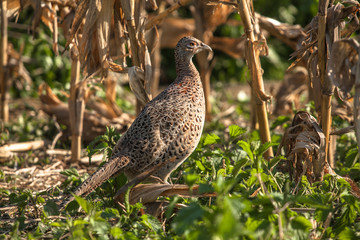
{"x": 70, "y": 172}
{"x": 187, "y": 217}
{"x": 246, "y": 147}
{"x": 116, "y": 232}
{"x": 40, "y": 199}
{"x": 301, "y": 223}
{"x": 51, "y": 209}
{"x": 87, "y": 206}
{"x": 235, "y": 131}
{"x": 110, "y": 213}
{"x": 239, "y": 164}
{"x": 205, "y": 188}
{"x": 347, "y": 234}
{"x": 190, "y": 179}
{"x": 101, "y": 228}
{"x": 211, "y": 139}
{"x": 151, "y": 222}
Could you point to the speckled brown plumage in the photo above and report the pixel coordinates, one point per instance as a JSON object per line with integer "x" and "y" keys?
{"x": 169, "y": 125}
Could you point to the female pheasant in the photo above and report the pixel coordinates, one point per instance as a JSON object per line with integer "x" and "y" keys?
{"x": 168, "y": 127}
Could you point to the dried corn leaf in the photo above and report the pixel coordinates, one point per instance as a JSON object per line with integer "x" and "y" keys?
{"x": 289, "y": 34}
{"x": 136, "y": 81}
{"x": 335, "y": 24}
{"x": 304, "y": 144}
{"x": 342, "y": 65}
{"x": 103, "y": 30}
{"x": 16, "y": 6}
{"x": 214, "y": 14}
{"x": 78, "y": 18}
{"x": 294, "y": 84}
{"x": 94, "y": 123}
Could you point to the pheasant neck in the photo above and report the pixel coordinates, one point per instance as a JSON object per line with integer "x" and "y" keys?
{"x": 186, "y": 67}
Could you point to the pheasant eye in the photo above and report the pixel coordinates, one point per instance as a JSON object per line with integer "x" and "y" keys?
{"x": 192, "y": 44}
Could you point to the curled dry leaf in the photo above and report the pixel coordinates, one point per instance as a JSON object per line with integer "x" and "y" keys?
{"x": 289, "y": 34}
{"x": 136, "y": 81}
{"x": 304, "y": 145}
{"x": 294, "y": 84}
{"x": 335, "y": 23}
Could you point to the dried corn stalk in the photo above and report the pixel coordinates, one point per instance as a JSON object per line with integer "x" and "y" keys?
{"x": 308, "y": 51}
{"x": 255, "y": 47}
{"x": 4, "y": 72}
{"x": 325, "y": 29}
{"x": 344, "y": 71}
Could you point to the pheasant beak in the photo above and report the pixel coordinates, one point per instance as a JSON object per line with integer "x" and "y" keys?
{"x": 203, "y": 46}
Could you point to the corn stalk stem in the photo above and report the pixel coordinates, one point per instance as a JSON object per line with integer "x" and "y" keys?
{"x": 128, "y": 7}
{"x": 76, "y": 106}
{"x": 253, "y": 61}
{"x": 322, "y": 58}
{"x": 4, "y": 81}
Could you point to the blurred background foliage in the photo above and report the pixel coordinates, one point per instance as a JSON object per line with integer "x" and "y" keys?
{"x": 45, "y": 66}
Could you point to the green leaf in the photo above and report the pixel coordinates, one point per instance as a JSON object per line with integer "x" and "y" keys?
{"x": 301, "y": 223}
{"x": 57, "y": 224}
{"x": 279, "y": 121}
{"x": 235, "y": 131}
{"x": 116, "y": 232}
{"x": 200, "y": 165}
{"x": 187, "y": 217}
{"x": 346, "y": 234}
{"x": 273, "y": 162}
{"x": 264, "y": 147}
{"x": 70, "y": 172}
{"x": 211, "y": 139}
{"x": 51, "y": 209}
{"x": 205, "y": 188}
{"x": 239, "y": 164}
{"x": 190, "y": 179}
{"x": 110, "y": 213}
{"x": 87, "y": 206}
{"x": 80, "y": 222}
{"x": 151, "y": 222}
{"x": 246, "y": 147}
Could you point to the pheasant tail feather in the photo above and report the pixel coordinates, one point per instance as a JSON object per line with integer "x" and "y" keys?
{"x": 114, "y": 166}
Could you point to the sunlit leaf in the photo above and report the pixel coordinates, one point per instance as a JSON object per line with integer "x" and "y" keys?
{"x": 246, "y": 147}
{"x": 85, "y": 205}
{"x": 235, "y": 131}
{"x": 211, "y": 139}
{"x": 301, "y": 223}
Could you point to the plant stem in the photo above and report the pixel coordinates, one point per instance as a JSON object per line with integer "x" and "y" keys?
{"x": 322, "y": 59}
{"x": 253, "y": 61}
{"x": 4, "y": 80}
{"x": 76, "y": 106}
